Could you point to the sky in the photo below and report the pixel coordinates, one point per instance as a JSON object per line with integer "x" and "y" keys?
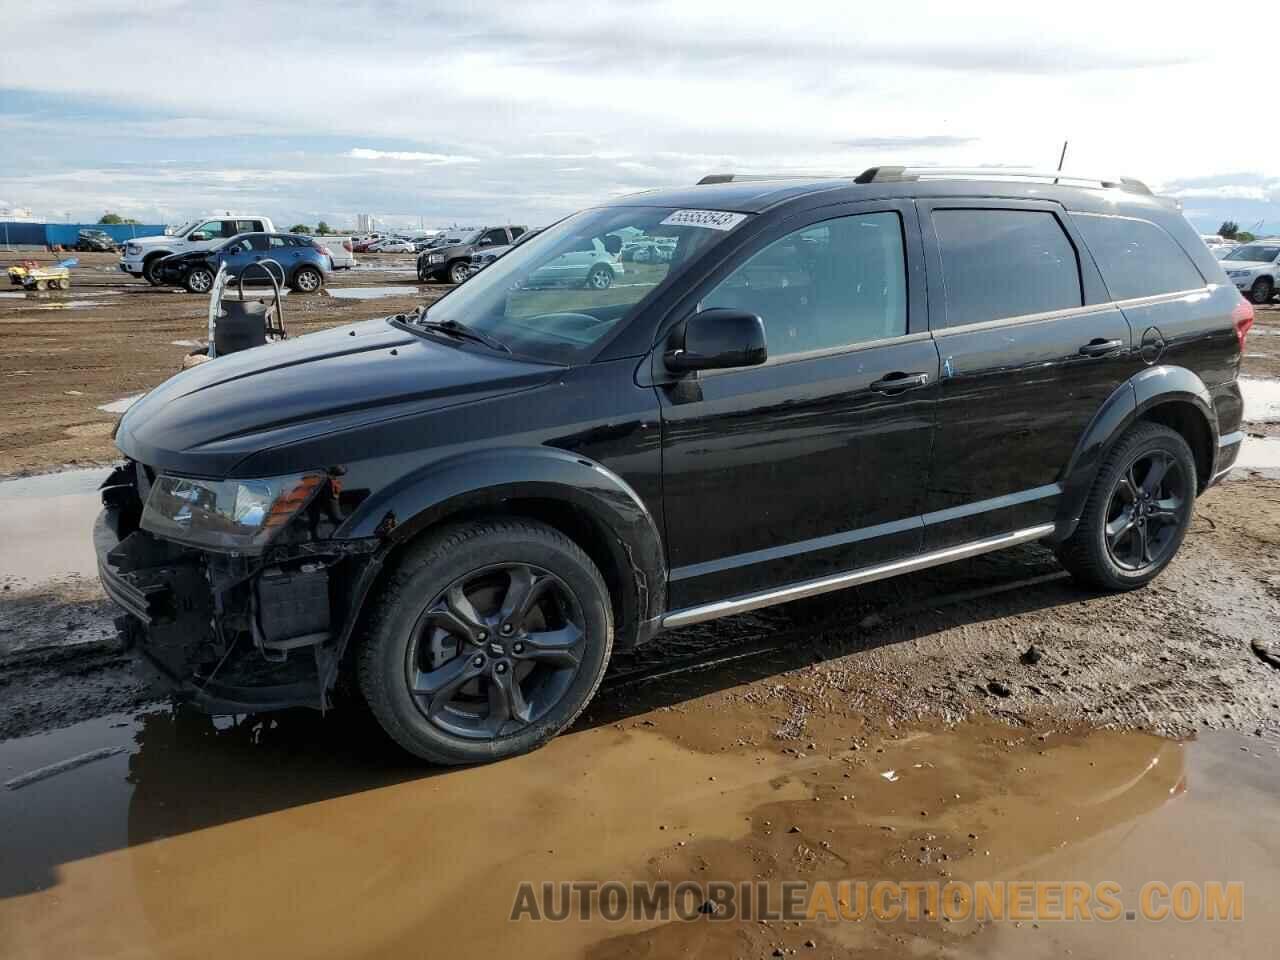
{"x": 479, "y": 112}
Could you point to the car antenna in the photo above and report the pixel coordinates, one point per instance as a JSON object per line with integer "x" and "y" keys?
{"x": 1061, "y": 159}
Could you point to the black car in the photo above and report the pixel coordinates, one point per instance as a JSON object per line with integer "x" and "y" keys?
{"x": 99, "y": 241}
{"x": 828, "y": 382}
{"x": 451, "y": 262}
{"x": 299, "y": 262}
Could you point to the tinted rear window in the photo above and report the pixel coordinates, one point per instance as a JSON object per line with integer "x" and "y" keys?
{"x": 1005, "y": 263}
{"x": 1137, "y": 258}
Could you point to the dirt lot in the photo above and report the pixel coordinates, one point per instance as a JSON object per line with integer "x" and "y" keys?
{"x": 65, "y": 354}
{"x": 988, "y": 720}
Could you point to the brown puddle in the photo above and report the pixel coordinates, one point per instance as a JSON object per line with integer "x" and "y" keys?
{"x": 297, "y": 836}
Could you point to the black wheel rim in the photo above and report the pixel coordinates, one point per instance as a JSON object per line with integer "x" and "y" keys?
{"x": 495, "y": 651}
{"x": 1146, "y": 511}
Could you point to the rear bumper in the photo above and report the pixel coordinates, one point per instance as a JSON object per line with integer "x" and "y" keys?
{"x": 1228, "y": 450}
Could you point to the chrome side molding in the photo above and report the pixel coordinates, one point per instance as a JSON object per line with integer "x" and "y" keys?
{"x": 851, "y": 578}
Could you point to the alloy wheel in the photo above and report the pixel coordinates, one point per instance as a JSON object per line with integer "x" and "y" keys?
{"x": 200, "y": 281}
{"x": 495, "y": 651}
{"x": 308, "y": 281}
{"x": 1146, "y": 511}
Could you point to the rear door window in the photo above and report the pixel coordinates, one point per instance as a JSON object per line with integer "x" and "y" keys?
{"x": 1136, "y": 257}
{"x": 248, "y": 226}
{"x": 998, "y": 264}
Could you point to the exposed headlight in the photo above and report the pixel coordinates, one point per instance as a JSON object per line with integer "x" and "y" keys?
{"x": 435, "y": 258}
{"x": 227, "y": 515}
{"x": 132, "y": 249}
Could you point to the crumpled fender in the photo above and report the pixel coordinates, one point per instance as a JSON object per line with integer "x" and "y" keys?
{"x": 404, "y": 509}
{"x": 1127, "y": 403}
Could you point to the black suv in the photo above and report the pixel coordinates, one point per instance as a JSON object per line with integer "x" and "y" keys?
{"x": 451, "y": 262}
{"x": 826, "y": 383}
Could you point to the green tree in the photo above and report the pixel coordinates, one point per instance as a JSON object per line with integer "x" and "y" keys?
{"x": 323, "y": 228}
{"x": 115, "y": 218}
{"x": 1229, "y": 229}
{"x": 299, "y": 228}
{"x": 1244, "y": 236}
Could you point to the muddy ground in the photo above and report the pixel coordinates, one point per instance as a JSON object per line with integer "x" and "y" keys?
{"x": 65, "y": 354}
{"x": 987, "y": 720}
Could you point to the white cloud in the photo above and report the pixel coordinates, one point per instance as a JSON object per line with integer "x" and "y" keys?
{"x": 1230, "y": 191}
{"x": 540, "y": 108}
{"x": 434, "y": 159}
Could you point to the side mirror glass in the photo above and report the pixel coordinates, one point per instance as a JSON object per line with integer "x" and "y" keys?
{"x": 198, "y": 237}
{"x": 719, "y": 339}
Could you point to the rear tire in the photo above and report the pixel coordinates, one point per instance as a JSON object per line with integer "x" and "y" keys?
{"x": 307, "y": 280}
{"x": 441, "y": 682}
{"x": 1262, "y": 291}
{"x": 199, "y": 280}
{"x": 1137, "y": 513}
{"x": 600, "y": 278}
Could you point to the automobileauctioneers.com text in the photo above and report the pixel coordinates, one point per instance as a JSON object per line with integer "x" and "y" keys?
{"x": 886, "y": 901}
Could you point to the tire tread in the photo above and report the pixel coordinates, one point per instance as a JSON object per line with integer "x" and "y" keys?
{"x": 1081, "y": 553}
{"x": 433, "y": 549}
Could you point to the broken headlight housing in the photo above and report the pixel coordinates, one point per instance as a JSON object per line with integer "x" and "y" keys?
{"x": 233, "y": 516}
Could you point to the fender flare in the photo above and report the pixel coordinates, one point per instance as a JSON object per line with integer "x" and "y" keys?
{"x": 1127, "y": 404}
{"x": 489, "y": 478}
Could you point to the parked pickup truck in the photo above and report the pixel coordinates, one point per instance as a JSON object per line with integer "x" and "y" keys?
{"x": 141, "y": 254}
{"x": 451, "y": 262}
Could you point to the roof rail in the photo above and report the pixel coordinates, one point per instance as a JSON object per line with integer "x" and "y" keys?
{"x": 745, "y": 177}
{"x": 897, "y": 174}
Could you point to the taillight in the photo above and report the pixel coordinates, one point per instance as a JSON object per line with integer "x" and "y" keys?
{"x": 346, "y": 245}
{"x": 1242, "y": 320}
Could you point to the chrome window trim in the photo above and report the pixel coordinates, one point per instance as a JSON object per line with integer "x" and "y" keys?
{"x": 1085, "y": 310}
{"x": 820, "y": 354}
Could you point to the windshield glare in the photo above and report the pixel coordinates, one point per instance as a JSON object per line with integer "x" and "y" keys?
{"x": 558, "y": 295}
{"x": 1254, "y": 251}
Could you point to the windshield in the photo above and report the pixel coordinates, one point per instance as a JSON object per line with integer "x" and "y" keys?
{"x": 179, "y": 231}
{"x": 1262, "y": 253}
{"x": 558, "y": 295}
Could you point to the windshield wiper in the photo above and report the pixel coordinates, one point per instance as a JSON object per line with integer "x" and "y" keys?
{"x": 455, "y": 329}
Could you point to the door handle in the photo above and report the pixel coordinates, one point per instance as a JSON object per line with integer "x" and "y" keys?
{"x": 1098, "y": 347}
{"x": 900, "y": 382}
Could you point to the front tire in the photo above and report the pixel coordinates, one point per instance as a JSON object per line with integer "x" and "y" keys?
{"x": 1262, "y": 291}
{"x": 490, "y": 639}
{"x": 1137, "y": 513}
{"x": 459, "y": 272}
{"x": 149, "y": 272}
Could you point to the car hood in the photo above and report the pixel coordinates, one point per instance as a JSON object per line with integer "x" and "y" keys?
{"x": 453, "y": 250}
{"x": 206, "y": 420}
{"x": 152, "y": 241}
{"x": 1244, "y": 264}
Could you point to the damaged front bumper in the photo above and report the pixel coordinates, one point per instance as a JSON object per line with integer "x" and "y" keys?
{"x": 230, "y": 633}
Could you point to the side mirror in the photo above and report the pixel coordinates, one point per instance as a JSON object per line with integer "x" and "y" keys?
{"x": 198, "y": 237}
{"x": 719, "y": 339}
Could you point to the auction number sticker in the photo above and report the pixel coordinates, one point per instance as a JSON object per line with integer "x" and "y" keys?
{"x": 710, "y": 219}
